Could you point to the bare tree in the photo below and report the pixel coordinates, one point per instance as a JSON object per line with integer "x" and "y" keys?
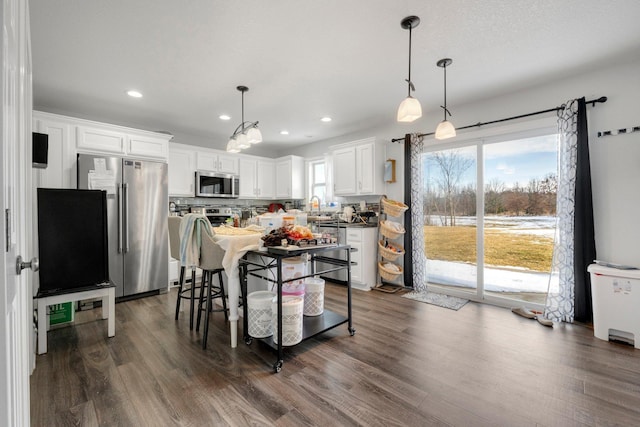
{"x": 493, "y": 196}
{"x": 515, "y": 200}
{"x": 452, "y": 165}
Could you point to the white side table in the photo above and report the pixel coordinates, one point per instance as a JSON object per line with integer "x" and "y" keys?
{"x": 107, "y": 293}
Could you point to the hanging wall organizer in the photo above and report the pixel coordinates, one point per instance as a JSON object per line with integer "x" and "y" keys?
{"x": 618, "y": 131}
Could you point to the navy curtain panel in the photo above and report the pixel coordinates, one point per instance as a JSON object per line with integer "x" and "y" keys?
{"x": 584, "y": 236}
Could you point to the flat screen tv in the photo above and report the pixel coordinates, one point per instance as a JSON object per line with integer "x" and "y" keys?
{"x": 72, "y": 239}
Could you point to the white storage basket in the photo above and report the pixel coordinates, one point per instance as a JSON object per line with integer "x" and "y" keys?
{"x": 314, "y": 296}
{"x": 259, "y": 314}
{"x": 292, "y": 308}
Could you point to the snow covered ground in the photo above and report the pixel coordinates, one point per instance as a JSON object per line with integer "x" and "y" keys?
{"x": 506, "y": 279}
{"x": 495, "y": 279}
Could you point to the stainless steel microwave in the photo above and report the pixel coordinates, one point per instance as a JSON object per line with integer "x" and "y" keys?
{"x": 212, "y": 184}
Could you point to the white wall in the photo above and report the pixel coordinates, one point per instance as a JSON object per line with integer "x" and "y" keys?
{"x": 615, "y": 160}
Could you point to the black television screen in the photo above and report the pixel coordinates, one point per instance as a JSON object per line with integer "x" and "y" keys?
{"x": 72, "y": 239}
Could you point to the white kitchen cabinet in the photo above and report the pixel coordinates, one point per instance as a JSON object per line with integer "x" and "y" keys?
{"x": 257, "y": 178}
{"x": 98, "y": 138}
{"x": 148, "y": 146}
{"x": 358, "y": 168}
{"x": 365, "y": 168}
{"x": 344, "y": 171}
{"x": 363, "y": 240}
{"x": 174, "y": 271}
{"x": 266, "y": 179}
{"x": 290, "y": 178}
{"x": 182, "y": 168}
{"x": 217, "y": 162}
{"x": 93, "y": 139}
{"x": 89, "y": 137}
{"x": 60, "y": 171}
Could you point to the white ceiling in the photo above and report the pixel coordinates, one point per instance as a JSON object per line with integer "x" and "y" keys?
{"x": 304, "y": 59}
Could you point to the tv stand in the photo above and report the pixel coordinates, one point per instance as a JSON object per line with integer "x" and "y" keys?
{"x": 106, "y": 292}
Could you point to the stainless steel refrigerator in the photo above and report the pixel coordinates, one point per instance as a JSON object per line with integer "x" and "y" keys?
{"x": 137, "y": 201}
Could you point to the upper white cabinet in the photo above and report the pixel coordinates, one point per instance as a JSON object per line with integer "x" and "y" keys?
{"x": 358, "y": 168}
{"x": 149, "y": 146}
{"x": 344, "y": 171}
{"x": 69, "y": 136}
{"x": 95, "y": 138}
{"x": 89, "y": 137}
{"x": 60, "y": 170}
{"x": 182, "y": 168}
{"x": 217, "y": 162}
{"x": 290, "y": 178}
{"x": 366, "y": 168}
{"x": 257, "y": 178}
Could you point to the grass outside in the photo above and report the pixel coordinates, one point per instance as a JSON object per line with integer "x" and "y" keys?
{"x": 501, "y": 248}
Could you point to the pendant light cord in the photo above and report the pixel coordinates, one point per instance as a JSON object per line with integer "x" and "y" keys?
{"x": 409, "y": 84}
{"x": 445, "y": 93}
{"x": 242, "y": 114}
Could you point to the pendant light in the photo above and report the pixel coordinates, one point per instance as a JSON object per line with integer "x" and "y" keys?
{"x": 246, "y": 133}
{"x": 410, "y": 109}
{"x": 445, "y": 129}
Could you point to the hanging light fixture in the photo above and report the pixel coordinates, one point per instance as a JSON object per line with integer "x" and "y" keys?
{"x": 445, "y": 129}
{"x": 246, "y": 133}
{"x": 410, "y": 109}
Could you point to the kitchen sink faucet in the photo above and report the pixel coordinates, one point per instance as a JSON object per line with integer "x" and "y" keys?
{"x": 311, "y": 203}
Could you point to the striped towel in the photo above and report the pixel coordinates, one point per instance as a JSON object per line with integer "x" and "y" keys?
{"x": 190, "y": 228}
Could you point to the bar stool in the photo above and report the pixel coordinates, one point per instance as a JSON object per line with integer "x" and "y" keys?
{"x": 174, "y": 245}
{"x": 211, "y": 255}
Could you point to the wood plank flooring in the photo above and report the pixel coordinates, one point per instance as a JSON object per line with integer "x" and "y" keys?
{"x": 409, "y": 364}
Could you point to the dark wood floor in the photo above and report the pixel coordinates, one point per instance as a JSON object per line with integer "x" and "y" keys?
{"x": 409, "y": 363}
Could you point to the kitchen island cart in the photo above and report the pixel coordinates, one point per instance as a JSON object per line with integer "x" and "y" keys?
{"x": 273, "y": 257}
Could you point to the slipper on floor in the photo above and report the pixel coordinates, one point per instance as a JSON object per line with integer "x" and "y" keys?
{"x": 524, "y": 312}
{"x": 544, "y": 322}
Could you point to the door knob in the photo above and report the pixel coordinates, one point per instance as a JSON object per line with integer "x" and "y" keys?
{"x": 34, "y": 264}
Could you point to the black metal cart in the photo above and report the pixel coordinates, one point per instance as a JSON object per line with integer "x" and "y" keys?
{"x": 312, "y": 325}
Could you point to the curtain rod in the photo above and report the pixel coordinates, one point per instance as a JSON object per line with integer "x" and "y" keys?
{"x": 593, "y": 102}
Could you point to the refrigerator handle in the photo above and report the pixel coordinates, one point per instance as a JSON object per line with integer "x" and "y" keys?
{"x": 125, "y": 189}
{"x": 119, "y": 218}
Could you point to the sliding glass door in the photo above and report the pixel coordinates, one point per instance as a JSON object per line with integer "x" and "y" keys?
{"x": 490, "y": 218}
{"x": 450, "y": 217}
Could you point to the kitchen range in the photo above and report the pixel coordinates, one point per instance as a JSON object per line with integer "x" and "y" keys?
{"x": 216, "y": 216}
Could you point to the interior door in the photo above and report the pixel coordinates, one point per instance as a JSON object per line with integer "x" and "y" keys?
{"x": 15, "y": 192}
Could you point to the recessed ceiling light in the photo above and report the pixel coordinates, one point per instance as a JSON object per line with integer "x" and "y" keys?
{"x": 224, "y": 117}
{"x": 284, "y": 132}
{"x": 134, "y": 94}
{"x": 325, "y": 119}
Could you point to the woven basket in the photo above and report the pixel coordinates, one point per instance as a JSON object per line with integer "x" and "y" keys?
{"x": 394, "y": 209}
{"x": 387, "y": 274}
{"x": 388, "y": 253}
{"x": 389, "y": 232}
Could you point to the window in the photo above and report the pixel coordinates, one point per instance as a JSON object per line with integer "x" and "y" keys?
{"x": 318, "y": 179}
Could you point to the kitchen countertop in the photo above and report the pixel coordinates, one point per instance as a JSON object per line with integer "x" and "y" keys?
{"x": 348, "y": 224}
